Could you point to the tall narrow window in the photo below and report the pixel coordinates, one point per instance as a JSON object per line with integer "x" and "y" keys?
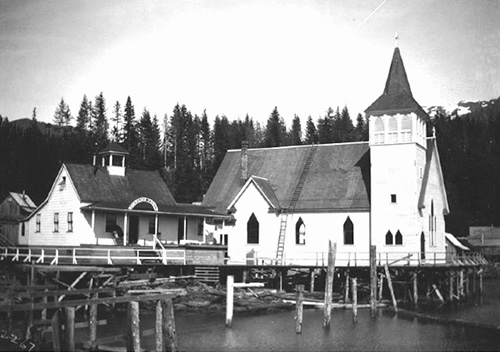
{"x": 399, "y": 238}
{"x": 406, "y": 129}
{"x": 110, "y": 222}
{"x": 253, "y": 230}
{"x": 379, "y": 131}
{"x": 300, "y": 232}
{"x": 392, "y": 135}
{"x": 152, "y": 224}
{"x": 432, "y": 225}
{"x": 348, "y": 231}
{"x": 56, "y": 222}
{"x": 388, "y": 238}
{"x": 38, "y": 222}
{"x": 200, "y": 226}
{"x": 70, "y": 222}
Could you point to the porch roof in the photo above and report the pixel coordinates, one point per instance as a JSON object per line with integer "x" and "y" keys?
{"x": 179, "y": 209}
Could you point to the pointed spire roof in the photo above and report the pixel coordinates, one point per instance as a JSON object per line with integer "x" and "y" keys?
{"x": 397, "y": 96}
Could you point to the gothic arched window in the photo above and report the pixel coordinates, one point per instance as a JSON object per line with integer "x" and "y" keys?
{"x": 253, "y": 230}
{"x": 392, "y": 135}
{"x": 406, "y": 129}
{"x": 379, "y": 131}
{"x": 300, "y": 232}
{"x": 348, "y": 231}
{"x": 399, "y": 238}
{"x": 388, "y": 238}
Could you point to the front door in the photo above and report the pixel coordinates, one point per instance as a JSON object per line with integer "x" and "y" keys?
{"x": 422, "y": 246}
{"x": 133, "y": 229}
{"x": 180, "y": 229}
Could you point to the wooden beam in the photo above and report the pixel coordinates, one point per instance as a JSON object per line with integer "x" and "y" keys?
{"x": 73, "y": 268}
{"x": 229, "y": 300}
{"x": 81, "y": 302}
{"x": 327, "y": 314}
{"x": 389, "y": 282}
{"x": 169, "y": 330}
{"x": 38, "y": 294}
{"x": 299, "y": 309}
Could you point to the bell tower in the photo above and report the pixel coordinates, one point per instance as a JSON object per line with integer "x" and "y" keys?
{"x": 397, "y": 138}
{"x": 113, "y": 158}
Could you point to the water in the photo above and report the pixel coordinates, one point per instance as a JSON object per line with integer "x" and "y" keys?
{"x": 276, "y": 332}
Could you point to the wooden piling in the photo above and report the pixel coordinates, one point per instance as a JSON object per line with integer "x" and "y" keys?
{"x": 354, "y": 287}
{"x": 389, "y": 283}
{"x": 481, "y": 285}
{"x": 312, "y": 273}
{"x": 56, "y": 332}
{"x": 299, "y": 309}
{"x": 229, "y": 300}
{"x": 380, "y": 286}
{"x": 159, "y": 327}
{"x": 451, "y": 285}
{"x": 346, "y": 291}
{"x": 93, "y": 326}
{"x": 415, "y": 288}
{"x": 461, "y": 285}
{"x": 332, "y": 249}
{"x": 134, "y": 340}
{"x": 169, "y": 330}
{"x": 70, "y": 328}
{"x": 373, "y": 281}
{"x": 438, "y": 293}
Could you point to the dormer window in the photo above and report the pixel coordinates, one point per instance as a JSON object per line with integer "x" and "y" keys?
{"x": 62, "y": 183}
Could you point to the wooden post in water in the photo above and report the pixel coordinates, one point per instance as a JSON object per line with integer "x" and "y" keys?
{"x": 299, "y": 309}
{"x": 474, "y": 278}
{"x": 373, "y": 281}
{"x": 380, "y": 286}
{"x": 354, "y": 286}
{"x": 312, "y": 272}
{"x": 389, "y": 282}
{"x": 451, "y": 285}
{"x": 56, "y": 332}
{"x": 438, "y": 293}
{"x": 159, "y": 327}
{"x": 467, "y": 283}
{"x": 346, "y": 291}
{"x": 415, "y": 288}
{"x": 135, "y": 333}
{"x": 461, "y": 286}
{"x": 481, "y": 285}
{"x": 169, "y": 331}
{"x": 332, "y": 249}
{"x": 70, "y": 329}
{"x": 93, "y": 325}
{"x": 229, "y": 300}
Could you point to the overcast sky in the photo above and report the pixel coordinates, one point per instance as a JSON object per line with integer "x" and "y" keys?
{"x": 239, "y": 57}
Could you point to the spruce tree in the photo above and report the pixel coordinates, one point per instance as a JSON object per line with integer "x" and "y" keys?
{"x": 116, "y": 119}
{"x": 84, "y": 115}
{"x": 100, "y": 124}
{"x": 296, "y": 131}
{"x": 275, "y": 129}
{"x": 62, "y": 116}
{"x": 311, "y": 132}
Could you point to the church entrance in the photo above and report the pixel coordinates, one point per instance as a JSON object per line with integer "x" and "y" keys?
{"x": 133, "y": 229}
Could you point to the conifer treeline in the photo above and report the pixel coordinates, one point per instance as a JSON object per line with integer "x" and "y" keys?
{"x": 187, "y": 150}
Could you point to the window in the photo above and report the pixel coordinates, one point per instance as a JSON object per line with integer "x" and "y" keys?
{"x": 70, "y": 222}
{"x": 152, "y": 224}
{"x": 253, "y": 230}
{"x": 399, "y": 238}
{"x": 300, "y": 232}
{"x": 117, "y": 160}
{"x": 56, "y": 222}
{"x": 200, "y": 227}
{"x": 432, "y": 225}
{"x": 110, "y": 222}
{"x": 62, "y": 183}
{"x": 388, "y": 238}
{"x": 392, "y": 136}
{"x": 38, "y": 222}
{"x": 393, "y": 198}
{"x": 348, "y": 231}
{"x": 379, "y": 131}
{"x": 406, "y": 129}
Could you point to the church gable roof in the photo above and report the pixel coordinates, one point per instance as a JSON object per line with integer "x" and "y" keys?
{"x": 265, "y": 189}
{"x": 95, "y": 184}
{"x": 432, "y": 155}
{"x": 338, "y": 178}
{"x": 397, "y": 95}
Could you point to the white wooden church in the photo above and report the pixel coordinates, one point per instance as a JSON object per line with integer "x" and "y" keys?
{"x": 286, "y": 203}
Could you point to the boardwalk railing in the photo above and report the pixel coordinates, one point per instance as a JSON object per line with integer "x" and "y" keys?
{"x": 86, "y": 256}
{"x": 353, "y": 259}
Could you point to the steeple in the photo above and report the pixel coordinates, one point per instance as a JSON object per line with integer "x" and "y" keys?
{"x": 397, "y": 96}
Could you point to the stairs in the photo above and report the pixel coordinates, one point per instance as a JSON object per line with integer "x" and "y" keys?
{"x": 208, "y": 274}
{"x": 293, "y": 202}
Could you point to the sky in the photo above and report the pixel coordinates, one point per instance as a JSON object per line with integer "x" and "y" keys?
{"x": 235, "y": 58}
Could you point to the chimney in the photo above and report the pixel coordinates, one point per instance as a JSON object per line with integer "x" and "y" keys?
{"x": 244, "y": 162}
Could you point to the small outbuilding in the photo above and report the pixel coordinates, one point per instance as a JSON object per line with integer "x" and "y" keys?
{"x": 14, "y": 208}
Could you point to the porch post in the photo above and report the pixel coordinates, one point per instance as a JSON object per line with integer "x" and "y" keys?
{"x": 156, "y": 229}
{"x": 125, "y": 228}
{"x": 185, "y": 227}
{"x": 93, "y": 225}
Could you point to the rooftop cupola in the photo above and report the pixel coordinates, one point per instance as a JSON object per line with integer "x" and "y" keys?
{"x": 113, "y": 158}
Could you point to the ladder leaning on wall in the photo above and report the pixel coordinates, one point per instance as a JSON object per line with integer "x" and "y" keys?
{"x": 285, "y": 212}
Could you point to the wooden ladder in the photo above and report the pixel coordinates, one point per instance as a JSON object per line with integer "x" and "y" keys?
{"x": 293, "y": 202}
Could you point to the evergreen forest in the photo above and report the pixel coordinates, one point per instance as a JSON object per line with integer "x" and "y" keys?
{"x": 187, "y": 149}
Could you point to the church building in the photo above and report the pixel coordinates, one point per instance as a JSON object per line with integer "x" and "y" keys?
{"x": 286, "y": 203}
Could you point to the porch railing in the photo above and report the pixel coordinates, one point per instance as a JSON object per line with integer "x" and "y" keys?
{"x": 86, "y": 256}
